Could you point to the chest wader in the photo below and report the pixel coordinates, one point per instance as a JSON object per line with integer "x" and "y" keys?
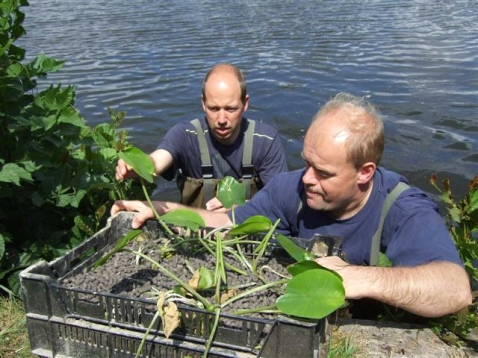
{"x": 376, "y": 238}
{"x": 368, "y": 308}
{"x": 196, "y": 192}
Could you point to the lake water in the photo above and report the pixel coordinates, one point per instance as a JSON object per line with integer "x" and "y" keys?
{"x": 416, "y": 60}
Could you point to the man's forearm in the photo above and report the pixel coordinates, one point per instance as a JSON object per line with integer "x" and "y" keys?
{"x": 211, "y": 219}
{"x": 431, "y": 290}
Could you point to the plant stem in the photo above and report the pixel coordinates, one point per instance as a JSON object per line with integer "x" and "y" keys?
{"x": 259, "y": 251}
{"x": 157, "y": 216}
{"x": 164, "y": 270}
{"x": 272, "y": 309}
{"x": 213, "y": 331}
{"x": 153, "y": 321}
{"x": 254, "y": 290}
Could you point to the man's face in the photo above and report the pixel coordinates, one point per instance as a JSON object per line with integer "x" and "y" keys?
{"x": 223, "y": 106}
{"x": 331, "y": 182}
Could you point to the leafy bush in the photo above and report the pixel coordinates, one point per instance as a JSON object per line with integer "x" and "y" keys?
{"x": 56, "y": 173}
{"x": 462, "y": 221}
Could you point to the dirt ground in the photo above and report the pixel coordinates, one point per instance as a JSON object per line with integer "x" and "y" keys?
{"x": 395, "y": 340}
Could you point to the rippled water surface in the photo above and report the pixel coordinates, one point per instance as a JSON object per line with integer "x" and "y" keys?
{"x": 416, "y": 60}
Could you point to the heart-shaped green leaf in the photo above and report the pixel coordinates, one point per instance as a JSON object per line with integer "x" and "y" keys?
{"x": 139, "y": 161}
{"x": 231, "y": 192}
{"x": 312, "y": 294}
{"x": 302, "y": 266}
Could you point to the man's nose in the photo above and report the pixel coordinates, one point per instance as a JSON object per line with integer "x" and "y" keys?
{"x": 222, "y": 116}
{"x": 308, "y": 177}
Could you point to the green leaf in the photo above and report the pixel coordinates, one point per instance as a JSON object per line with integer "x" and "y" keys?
{"x": 302, "y": 266}
{"x": 252, "y": 225}
{"x": 13, "y": 173}
{"x": 473, "y": 202}
{"x": 139, "y": 161}
{"x": 55, "y": 99}
{"x": 297, "y": 253}
{"x": 231, "y": 192}
{"x": 2, "y": 246}
{"x": 43, "y": 64}
{"x": 77, "y": 197}
{"x": 312, "y": 294}
{"x": 125, "y": 240}
{"x": 15, "y": 70}
{"x": 206, "y": 279}
{"x": 49, "y": 122}
{"x": 184, "y": 218}
{"x": 455, "y": 214}
{"x": 71, "y": 116}
{"x": 383, "y": 260}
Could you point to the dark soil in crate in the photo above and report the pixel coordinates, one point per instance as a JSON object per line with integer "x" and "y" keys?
{"x": 126, "y": 274}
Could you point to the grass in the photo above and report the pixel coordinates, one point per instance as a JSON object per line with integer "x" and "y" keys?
{"x": 14, "y": 341}
{"x": 343, "y": 346}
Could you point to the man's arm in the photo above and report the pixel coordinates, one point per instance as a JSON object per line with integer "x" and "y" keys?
{"x": 430, "y": 290}
{"x": 144, "y": 212}
{"x": 162, "y": 160}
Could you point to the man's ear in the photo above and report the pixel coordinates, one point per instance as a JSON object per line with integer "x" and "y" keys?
{"x": 203, "y": 104}
{"x": 366, "y": 172}
{"x": 246, "y": 103}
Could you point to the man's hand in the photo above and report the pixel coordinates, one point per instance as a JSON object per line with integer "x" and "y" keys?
{"x": 350, "y": 275}
{"x": 215, "y": 205}
{"x": 124, "y": 171}
{"x": 142, "y": 209}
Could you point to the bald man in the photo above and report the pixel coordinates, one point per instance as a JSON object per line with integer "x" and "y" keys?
{"x": 199, "y": 153}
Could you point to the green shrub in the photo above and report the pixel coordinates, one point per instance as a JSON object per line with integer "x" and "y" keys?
{"x": 462, "y": 221}
{"x": 56, "y": 173}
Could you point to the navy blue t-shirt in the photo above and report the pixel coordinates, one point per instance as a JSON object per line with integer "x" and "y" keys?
{"x": 414, "y": 233}
{"x": 181, "y": 142}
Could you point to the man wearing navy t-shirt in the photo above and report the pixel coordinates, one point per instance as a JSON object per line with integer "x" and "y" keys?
{"x": 342, "y": 191}
{"x": 200, "y": 152}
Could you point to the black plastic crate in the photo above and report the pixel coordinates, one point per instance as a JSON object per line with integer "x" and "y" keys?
{"x": 63, "y": 324}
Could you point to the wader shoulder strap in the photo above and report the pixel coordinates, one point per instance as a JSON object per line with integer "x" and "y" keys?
{"x": 376, "y": 239}
{"x": 206, "y": 166}
{"x": 300, "y": 211}
{"x": 247, "y": 167}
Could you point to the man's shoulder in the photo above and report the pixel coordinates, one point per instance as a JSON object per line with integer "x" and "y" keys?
{"x": 187, "y": 126}
{"x": 411, "y": 197}
{"x": 286, "y": 179}
{"x": 262, "y": 128}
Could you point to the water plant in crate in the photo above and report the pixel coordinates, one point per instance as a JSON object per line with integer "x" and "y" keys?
{"x": 305, "y": 290}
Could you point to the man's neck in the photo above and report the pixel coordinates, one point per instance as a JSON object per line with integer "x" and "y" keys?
{"x": 357, "y": 204}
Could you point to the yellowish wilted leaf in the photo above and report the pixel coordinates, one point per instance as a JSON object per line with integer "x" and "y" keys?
{"x": 194, "y": 281}
{"x": 227, "y": 295}
{"x": 170, "y": 318}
